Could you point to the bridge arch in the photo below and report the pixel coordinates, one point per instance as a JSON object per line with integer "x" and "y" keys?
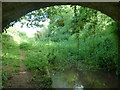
{"x": 11, "y": 11}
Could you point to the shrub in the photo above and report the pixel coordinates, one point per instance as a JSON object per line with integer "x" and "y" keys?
{"x": 24, "y": 46}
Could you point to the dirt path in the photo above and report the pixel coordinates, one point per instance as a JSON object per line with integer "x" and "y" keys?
{"x": 21, "y": 79}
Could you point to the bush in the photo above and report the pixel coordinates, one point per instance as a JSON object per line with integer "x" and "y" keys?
{"x": 24, "y": 46}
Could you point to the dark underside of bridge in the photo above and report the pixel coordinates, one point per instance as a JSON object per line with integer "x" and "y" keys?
{"x": 12, "y": 11}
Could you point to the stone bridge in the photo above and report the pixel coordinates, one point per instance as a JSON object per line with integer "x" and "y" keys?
{"x": 11, "y": 11}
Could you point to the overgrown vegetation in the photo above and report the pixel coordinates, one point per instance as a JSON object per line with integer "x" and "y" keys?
{"x": 10, "y": 57}
{"x": 76, "y": 37}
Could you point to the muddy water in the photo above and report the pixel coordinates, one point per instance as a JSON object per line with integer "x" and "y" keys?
{"x": 84, "y": 79}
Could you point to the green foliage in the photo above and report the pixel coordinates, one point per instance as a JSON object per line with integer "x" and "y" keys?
{"x": 47, "y": 82}
{"x": 36, "y": 59}
{"x": 76, "y": 37}
{"x": 24, "y": 46}
{"x": 4, "y": 74}
{"x": 10, "y": 56}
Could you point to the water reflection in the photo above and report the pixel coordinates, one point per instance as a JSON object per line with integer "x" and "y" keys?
{"x": 84, "y": 79}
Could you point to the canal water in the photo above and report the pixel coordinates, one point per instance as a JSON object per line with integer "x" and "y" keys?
{"x": 84, "y": 79}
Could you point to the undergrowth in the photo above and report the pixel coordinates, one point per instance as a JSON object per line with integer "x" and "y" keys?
{"x": 10, "y": 57}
